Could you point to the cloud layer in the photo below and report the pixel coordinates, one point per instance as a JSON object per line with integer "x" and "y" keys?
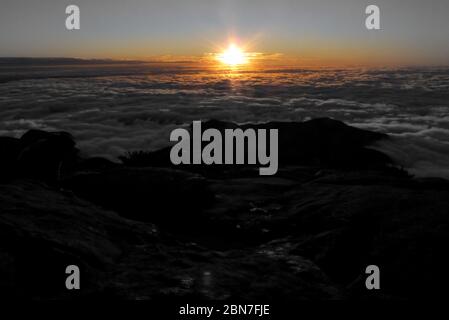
{"x": 111, "y": 110}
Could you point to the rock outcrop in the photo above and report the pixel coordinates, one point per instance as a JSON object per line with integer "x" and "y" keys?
{"x": 146, "y": 230}
{"x": 323, "y": 142}
{"x": 145, "y": 194}
{"x": 38, "y": 154}
{"x": 43, "y": 230}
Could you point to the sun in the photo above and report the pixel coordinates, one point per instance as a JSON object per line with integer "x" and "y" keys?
{"x": 233, "y": 56}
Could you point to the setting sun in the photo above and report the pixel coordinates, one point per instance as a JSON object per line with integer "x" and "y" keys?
{"x": 233, "y": 56}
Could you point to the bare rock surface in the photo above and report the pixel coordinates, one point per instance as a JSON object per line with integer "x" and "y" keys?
{"x": 147, "y": 230}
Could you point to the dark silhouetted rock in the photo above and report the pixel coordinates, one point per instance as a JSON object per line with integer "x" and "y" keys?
{"x": 45, "y": 155}
{"x": 9, "y": 150}
{"x": 343, "y": 222}
{"x": 308, "y": 232}
{"x": 42, "y": 231}
{"x": 320, "y": 142}
{"x": 95, "y": 164}
{"x": 122, "y": 259}
{"x": 147, "y": 194}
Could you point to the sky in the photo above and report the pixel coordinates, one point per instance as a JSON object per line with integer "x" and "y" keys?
{"x": 305, "y": 31}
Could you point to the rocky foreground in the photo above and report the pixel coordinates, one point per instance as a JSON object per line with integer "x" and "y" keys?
{"x": 147, "y": 230}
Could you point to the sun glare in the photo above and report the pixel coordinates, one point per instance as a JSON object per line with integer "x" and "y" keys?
{"x": 233, "y": 56}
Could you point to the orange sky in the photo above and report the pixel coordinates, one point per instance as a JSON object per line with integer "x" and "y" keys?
{"x": 303, "y": 32}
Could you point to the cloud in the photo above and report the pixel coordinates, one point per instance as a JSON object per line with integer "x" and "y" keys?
{"x": 116, "y": 109}
{"x": 421, "y": 156}
{"x": 309, "y": 102}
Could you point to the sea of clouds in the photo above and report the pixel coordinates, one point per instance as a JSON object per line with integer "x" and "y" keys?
{"x": 114, "y": 108}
